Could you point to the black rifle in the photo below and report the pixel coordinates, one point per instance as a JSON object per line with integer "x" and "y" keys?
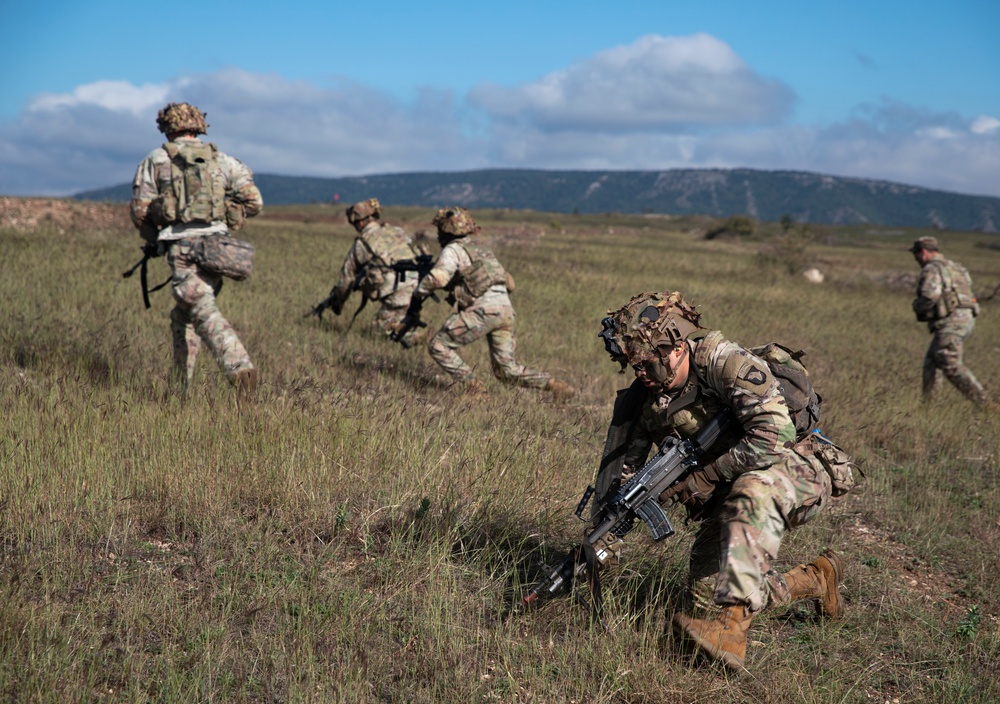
{"x": 149, "y": 251}
{"x": 422, "y": 264}
{"x": 638, "y": 498}
{"x": 334, "y": 302}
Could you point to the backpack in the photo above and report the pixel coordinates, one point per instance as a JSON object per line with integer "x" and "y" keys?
{"x": 787, "y": 368}
{"x": 388, "y": 245}
{"x": 956, "y": 289}
{"x": 793, "y": 379}
{"x": 196, "y": 192}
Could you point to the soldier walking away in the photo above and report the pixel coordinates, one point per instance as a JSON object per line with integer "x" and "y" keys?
{"x": 479, "y": 287}
{"x": 945, "y": 302}
{"x": 368, "y": 268}
{"x": 767, "y": 473}
{"x": 184, "y": 192}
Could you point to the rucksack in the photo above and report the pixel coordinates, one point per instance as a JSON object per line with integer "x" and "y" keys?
{"x": 197, "y": 193}
{"x": 793, "y": 379}
{"x": 388, "y": 244}
{"x": 956, "y": 285}
{"x": 791, "y": 374}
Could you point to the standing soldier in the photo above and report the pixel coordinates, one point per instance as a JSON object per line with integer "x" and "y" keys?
{"x": 183, "y": 191}
{"x": 368, "y": 268}
{"x": 945, "y": 301}
{"x": 479, "y": 286}
{"x": 766, "y": 474}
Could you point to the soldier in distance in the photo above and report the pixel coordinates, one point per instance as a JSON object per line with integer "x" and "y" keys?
{"x": 945, "y": 302}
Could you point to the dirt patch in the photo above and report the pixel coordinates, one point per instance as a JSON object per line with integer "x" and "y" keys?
{"x": 62, "y": 214}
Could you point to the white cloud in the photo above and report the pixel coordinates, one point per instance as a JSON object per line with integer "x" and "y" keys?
{"x": 985, "y": 124}
{"x": 626, "y": 108}
{"x": 666, "y": 83}
{"x": 119, "y": 96}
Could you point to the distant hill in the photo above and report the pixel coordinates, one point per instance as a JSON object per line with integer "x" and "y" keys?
{"x": 765, "y": 195}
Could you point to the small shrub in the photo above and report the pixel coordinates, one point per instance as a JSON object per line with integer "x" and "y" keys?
{"x": 735, "y": 226}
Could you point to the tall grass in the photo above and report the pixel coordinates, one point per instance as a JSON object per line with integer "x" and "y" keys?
{"x": 360, "y": 534}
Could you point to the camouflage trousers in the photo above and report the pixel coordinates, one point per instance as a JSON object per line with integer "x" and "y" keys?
{"x": 491, "y": 315}
{"x": 944, "y": 359}
{"x": 196, "y": 319}
{"x": 734, "y": 551}
{"x": 392, "y": 310}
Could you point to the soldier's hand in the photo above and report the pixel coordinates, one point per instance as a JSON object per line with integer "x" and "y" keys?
{"x": 695, "y": 490}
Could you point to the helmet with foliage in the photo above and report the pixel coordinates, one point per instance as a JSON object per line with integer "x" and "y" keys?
{"x": 181, "y": 117}
{"x": 364, "y": 209}
{"x": 456, "y": 222}
{"x": 647, "y": 329}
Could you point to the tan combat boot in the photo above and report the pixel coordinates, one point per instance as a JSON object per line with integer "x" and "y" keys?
{"x": 560, "y": 389}
{"x": 819, "y": 580}
{"x": 245, "y": 381}
{"x": 721, "y": 637}
{"x": 474, "y": 387}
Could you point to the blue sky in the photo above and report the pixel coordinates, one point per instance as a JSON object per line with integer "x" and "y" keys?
{"x": 885, "y": 89}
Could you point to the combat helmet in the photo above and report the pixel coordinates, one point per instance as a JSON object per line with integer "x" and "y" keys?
{"x": 456, "y": 222}
{"x": 370, "y": 208}
{"x": 645, "y": 330}
{"x": 181, "y": 117}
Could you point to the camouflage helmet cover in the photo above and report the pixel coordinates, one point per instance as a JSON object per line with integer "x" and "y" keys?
{"x": 455, "y": 221}
{"x": 928, "y": 243}
{"x": 370, "y": 208}
{"x": 648, "y": 327}
{"x": 181, "y": 117}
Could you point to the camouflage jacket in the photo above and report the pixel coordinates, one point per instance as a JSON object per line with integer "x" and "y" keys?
{"x": 453, "y": 258}
{"x": 723, "y": 376}
{"x": 367, "y": 264}
{"x": 153, "y": 177}
{"x": 944, "y": 294}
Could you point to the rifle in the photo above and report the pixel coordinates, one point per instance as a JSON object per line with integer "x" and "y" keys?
{"x": 409, "y": 322}
{"x": 150, "y": 250}
{"x": 422, "y": 264}
{"x": 334, "y": 302}
{"x": 637, "y": 498}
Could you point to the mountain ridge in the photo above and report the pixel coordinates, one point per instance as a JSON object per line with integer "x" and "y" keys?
{"x": 804, "y": 196}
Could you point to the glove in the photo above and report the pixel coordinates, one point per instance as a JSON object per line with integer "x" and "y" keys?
{"x": 695, "y": 490}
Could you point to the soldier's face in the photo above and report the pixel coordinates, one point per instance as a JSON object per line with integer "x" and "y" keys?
{"x": 665, "y": 375}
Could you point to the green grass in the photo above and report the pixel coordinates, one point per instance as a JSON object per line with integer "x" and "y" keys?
{"x": 360, "y": 534}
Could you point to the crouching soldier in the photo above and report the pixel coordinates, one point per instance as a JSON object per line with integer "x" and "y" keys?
{"x": 767, "y": 473}
{"x": 480, "y": 288}
{"x": 368, "y": 268}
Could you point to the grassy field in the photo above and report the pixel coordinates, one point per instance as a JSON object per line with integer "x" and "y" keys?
{"x": 361, "y": 535}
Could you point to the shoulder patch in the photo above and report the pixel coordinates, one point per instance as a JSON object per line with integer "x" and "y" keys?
{"x": 752, "y": 374}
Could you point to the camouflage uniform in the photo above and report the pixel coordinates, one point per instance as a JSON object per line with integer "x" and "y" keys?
{"x": 366, "y": 268}
{"x": 195, "y": 317}
{"x": 767, "y": 472}
{"x": 950, "y": 325}
{"x": 769, "y": 481}
{"x": 490, "y": 314}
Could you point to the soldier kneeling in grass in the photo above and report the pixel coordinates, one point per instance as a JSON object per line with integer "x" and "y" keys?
{"x": 768, "y": 472}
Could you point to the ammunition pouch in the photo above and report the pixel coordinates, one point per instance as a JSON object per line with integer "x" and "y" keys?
{"x": 236, "y": 215}
{"x": 223, "y": 255}
{"x": 163, "y": 210}
{"x": 835, "y": 461}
